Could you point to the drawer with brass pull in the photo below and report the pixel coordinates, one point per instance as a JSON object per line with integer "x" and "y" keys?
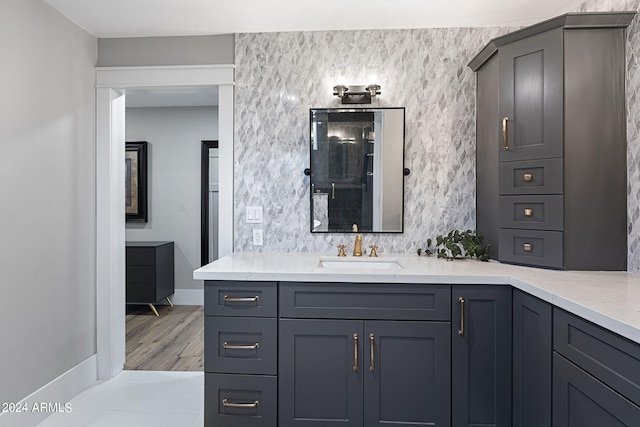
{"x": 241, "y": 345}
{"x": 531, "y": 177}
{"x": 240, "y": 400}
{"x": 531, "y": 247}
{"x": 532, "y": 212}
{"x": 243, "y": 299}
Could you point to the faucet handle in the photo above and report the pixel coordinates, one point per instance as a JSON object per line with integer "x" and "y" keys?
{"x": 341, "y": 251}
{"x": 374, "y": 251}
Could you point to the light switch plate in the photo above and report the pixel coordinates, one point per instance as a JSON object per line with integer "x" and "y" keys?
{"x": 254, "y": 214}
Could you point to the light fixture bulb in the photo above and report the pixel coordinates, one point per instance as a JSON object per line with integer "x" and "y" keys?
{"x": 373, "y": 90}
{"x": 340, "y": 90}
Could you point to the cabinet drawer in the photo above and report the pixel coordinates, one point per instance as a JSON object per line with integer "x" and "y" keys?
{"x": 531, "y": 247}
{"x": 250, "y": 299}
{"x": 581, "y": 400}
{"x": 141, "y": 256}
{"x": 532, "y": 212}
{"x": 137, "y": 274}
{"x": 365, "y": 301}
{"x": 240, "y": 345}
{"x": 610, "y": 358}
{"x": 531, "y": 177}
{"x": 240, "y": 400}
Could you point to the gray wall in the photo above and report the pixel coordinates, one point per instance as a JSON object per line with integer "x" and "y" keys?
{"x": 148, "y": 51}
{"x": 47, "y": 191}
{"x": 175, "y": 137}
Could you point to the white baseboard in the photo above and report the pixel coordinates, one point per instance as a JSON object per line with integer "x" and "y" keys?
{"x": 53, "y": 396}
{"x": 188, "y": 297}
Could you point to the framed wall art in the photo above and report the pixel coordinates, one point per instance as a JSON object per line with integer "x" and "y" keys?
{"x": 136, "y": 181}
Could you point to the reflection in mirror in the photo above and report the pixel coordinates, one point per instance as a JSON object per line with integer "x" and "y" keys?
{"x": 357, "y": 159}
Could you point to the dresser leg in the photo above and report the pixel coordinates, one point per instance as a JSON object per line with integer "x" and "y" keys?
{"x": 169, "y": 301}
{"x": 154, "y": 309}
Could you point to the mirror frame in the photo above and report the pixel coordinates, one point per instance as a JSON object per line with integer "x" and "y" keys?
{"x": 404, "y": 171}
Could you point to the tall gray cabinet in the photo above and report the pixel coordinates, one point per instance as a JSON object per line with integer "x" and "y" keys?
{"x": 551, "y": 143}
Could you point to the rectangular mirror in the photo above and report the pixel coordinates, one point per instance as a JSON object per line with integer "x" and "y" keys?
{"x": 357, "y": 170}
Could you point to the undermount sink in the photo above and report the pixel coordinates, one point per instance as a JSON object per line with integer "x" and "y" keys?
{"x": 359, "y": 263}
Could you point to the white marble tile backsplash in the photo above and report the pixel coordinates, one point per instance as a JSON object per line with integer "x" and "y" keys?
{"x": 279, "y": 76}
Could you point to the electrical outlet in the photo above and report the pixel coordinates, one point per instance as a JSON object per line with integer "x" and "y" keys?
{"x": 258, "y": 237}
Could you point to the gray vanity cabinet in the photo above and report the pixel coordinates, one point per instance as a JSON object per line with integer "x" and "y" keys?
{"x": 551, "y": 143}
{"x": 532, "y": 356}
{"x": 240, "y": 354}
{"x": 317, "y": 382}
{"x": 596, "y": 375}
{"x": 348, "y": 369}
{"x": 481, "y": 356}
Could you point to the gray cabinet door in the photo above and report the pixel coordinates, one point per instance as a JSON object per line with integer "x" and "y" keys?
{"x": 580, "y": 400}
{"x": 406, "y": 373}
{"x": 318, "y": 385}
{"x": 531, "y": 97}
{"x": 481, "y": 359}
{"x": 532, "y": 347}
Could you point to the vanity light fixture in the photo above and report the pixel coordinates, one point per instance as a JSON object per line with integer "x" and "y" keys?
{"x": 356, "y": 94}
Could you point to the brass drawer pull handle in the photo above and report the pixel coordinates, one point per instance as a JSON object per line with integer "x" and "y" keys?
{"x": 372, "y": 341}
{"x": 528, "y": 212}
{"x": 527, "y": 177}
{"x": 461, "y": 330}
{"x": 240, "y": 347}
{"x": 505, "y": 133}
{"x": 355, "y": 353}
{"x": 527, "y": 247}
{"x": 228, "y": 404}
{"x": 227, "y": 298}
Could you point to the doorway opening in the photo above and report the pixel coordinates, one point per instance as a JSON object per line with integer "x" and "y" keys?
{"x": 113, "y": 86}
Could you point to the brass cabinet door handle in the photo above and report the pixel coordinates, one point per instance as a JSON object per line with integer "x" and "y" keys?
{"x": 355, "y": 352}
{"x": 240, "y": 347}
{"x": 227, "y": 298}
{"x": 372, "y": 341}
{"x": 333, "y": 190}
{"x": 505, "y": 133}
{"x": 228, "y": 404}
{"x": 461, "y": 330}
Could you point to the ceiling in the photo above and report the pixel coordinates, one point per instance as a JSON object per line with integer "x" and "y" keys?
{"x": 145, "y": 18}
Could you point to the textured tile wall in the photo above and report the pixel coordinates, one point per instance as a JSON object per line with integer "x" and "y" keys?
{"x": 279, "y": 76}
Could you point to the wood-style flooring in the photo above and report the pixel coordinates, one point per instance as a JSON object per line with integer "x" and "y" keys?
{"x": 173, "y": 341}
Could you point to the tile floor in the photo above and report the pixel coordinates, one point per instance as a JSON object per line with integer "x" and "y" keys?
{"x": 138, "y": 399}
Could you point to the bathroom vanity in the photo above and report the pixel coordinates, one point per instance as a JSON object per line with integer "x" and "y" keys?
{"x": 308, "y": 339}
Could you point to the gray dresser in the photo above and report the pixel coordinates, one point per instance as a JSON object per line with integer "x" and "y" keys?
{"x": 551, "y": 143}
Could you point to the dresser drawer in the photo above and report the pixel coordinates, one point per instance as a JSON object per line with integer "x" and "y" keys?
{"x": 610, "y": 358}
{"x": 531, "y": 177}
{"x": 240, "y": 400}
{"x": 250, "y": 299}
{"x": 241, "y": 345}
{"x": 141, "y": 256}
{"x": 365, "y": 301}
{"x": 531, "y": 247}
{"x": 532, "y": 212}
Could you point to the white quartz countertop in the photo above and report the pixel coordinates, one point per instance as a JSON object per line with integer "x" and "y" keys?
{"x": 608, "y": 299}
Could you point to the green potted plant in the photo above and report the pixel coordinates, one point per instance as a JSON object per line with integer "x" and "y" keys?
{"x": 458, "y": 245}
